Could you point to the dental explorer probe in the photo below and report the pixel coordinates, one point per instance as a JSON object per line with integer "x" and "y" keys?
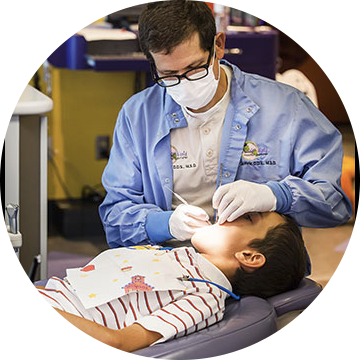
{"x": 182, "y": 200}
{"x": 220, "y": 180}
{"x": 178, "y": 196}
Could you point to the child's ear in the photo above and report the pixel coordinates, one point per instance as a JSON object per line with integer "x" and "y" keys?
{"x": 250, "y": 260}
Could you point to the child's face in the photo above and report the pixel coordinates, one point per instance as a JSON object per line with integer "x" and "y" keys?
{"x": 232, "y": 237}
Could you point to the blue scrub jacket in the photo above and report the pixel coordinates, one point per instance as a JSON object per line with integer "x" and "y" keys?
{"x": 272, "y": 134}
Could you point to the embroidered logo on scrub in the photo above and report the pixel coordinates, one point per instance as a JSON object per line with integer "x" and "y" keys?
{"x": 252, "y": 154}
{"x": 251, "y": 151}
{"x": 180, "y": 155}
{"x": 177, "y": 155}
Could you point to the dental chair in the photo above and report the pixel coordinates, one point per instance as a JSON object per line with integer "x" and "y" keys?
{"x": 248, "y": 326}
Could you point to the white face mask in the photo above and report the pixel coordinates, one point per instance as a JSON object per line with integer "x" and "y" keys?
{"x": 195, "y": 94}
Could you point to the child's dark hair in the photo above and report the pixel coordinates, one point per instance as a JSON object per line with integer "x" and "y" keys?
{"x": 285, "y": 266}
{"x": 165, "y": 24}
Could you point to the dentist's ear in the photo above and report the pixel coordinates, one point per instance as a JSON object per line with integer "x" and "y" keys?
{"x": 250, "y": 260}
{"x": 220, "y": 45}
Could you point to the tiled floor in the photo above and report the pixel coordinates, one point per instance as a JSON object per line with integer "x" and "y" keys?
{"x": 333, "y": 265}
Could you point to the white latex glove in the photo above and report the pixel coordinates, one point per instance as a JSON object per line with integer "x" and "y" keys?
{"x": 241, "y": 197}
{"x": 185, "y": 220}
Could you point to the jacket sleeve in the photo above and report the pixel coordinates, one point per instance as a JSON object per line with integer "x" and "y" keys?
{"x": 312, "y": 192}
{"x": 124, "y": 212}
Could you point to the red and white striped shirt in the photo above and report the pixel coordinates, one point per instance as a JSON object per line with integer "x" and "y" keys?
{"x": 172, "y": 313}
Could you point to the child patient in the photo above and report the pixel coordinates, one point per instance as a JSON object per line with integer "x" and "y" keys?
{"x": 259, "y": 254}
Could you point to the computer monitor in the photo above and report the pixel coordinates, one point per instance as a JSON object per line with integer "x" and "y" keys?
{"x": 122, "y": 13}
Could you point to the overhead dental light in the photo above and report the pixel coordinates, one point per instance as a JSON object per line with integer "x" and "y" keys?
{"x": 62, "y": 10}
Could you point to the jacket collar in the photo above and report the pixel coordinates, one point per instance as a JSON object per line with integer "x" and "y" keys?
{"x": 243, "y": 104}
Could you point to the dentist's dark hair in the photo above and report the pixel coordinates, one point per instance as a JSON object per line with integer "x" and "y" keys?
{"x": 165, "y": 24}
{"x": 285, "y": 266}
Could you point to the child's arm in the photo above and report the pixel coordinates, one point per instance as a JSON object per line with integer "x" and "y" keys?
{"x": 91, "y": 338}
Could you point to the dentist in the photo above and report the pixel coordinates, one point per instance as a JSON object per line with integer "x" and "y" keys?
{"x": 225, "y": 140}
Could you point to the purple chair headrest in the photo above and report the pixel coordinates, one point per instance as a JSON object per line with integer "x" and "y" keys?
{"x": 298, "y": 299}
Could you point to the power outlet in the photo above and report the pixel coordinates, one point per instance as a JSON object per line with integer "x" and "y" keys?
{"x": 102, "y": 147}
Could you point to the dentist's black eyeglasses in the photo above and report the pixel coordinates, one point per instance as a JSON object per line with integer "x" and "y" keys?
{"x": 194, "y": 74}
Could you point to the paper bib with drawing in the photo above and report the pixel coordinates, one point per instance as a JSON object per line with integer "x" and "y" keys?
{"x": 117, "y": 272}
